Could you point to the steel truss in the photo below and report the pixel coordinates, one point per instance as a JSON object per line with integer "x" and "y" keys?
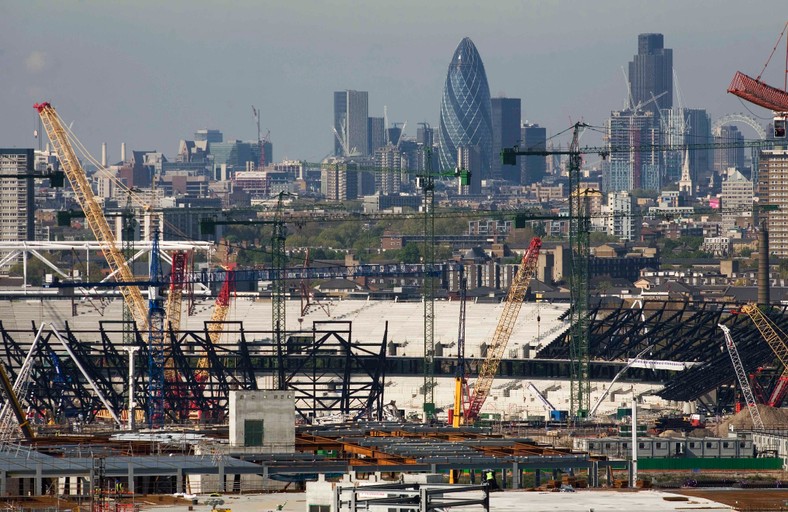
{"x": 676, "y": 331}
{"x": 330, "y": 373}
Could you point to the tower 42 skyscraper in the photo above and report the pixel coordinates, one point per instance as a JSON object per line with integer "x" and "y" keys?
{"x": 465, "y": 117}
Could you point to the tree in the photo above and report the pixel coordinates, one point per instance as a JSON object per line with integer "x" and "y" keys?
{"x": 410, "y": 253}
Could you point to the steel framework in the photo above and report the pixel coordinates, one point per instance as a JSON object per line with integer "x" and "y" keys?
{"x": 329, "y": 372}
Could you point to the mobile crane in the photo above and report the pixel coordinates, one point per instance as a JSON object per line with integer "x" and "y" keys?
{"x": 741, "y": 376}
{"x": 511, "y": 308}
{"x": 93, "y": 212}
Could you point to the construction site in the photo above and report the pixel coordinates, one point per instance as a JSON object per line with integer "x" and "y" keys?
{"x": 175, "y": 382}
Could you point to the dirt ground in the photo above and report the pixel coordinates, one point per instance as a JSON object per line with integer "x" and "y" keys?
{"x": 743, "y": 499}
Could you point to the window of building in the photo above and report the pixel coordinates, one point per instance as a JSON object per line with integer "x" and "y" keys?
{"x": 253, "y": 432}
{"x": 319, "y": 508}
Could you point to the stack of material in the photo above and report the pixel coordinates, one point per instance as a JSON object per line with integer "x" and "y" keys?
{"x": 772, "y": 417}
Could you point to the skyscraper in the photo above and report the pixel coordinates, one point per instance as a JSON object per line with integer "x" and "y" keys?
{"x": 505, "y": 134}
{"x": 351, "y": 110}
{"x": 651, "y": 73}
{"x": 17, "y": 199}
{"x": 636, "y": 169}
{"x": 465, "y": 116}
{"x": 732, "y": 156}
{"x": 376, "y": 134}
{"x": 533, "y": 167}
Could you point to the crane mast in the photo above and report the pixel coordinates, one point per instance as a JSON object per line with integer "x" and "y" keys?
{"x": 741, "y": 375}
{"x": 459, "y": 375}
{"x": 511, "y": 308}
{"x": 93, "y": 212}
{"x": 175, "y": 296}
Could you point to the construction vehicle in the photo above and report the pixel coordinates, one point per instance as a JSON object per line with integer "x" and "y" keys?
{"x": 511, "y": 308}
{"x": 741, "y": 376}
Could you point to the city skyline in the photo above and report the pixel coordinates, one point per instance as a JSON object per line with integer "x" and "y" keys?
{"x": 149, "y": 77}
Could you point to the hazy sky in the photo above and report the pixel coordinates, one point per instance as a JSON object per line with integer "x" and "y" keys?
{"x": 152, "y": 72}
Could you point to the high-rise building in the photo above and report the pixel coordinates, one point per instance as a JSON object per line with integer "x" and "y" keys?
{"x": 634, "y": 169}
{"x": 736, "y": 199}
{"x": 235, "y": 155}
{"x": 351, "y": 112}
{"x": 772, "y": 184}
{"x": 376, "y": 133}
{"x": 731, "y": 156}
{"x": 425, "y": 135}
{"x": 470, "y": 159}
{"x": 505, "y": 134}
{"x": 651, "y": 73}
{"x": 338, "y": 180}
{"x": 620, "y": 219}
{"x": 17, "y": 195}
{"x": 465, "y": 114}
{"x": 208, "y": 135}
{"x": 533, "y": 168}
{"x": 389, "y": 165}
{"x": 687, "y": 126}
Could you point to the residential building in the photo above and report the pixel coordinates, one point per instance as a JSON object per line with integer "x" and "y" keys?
{"x": 17, "y": 195}
{"x": 339, "y": 179}
{"x": 389, "y": 166}
{"x": 351, "y": 113}
{"x": 773, "y": 190}
{"x": 651, "y": 74}
{"x": 505, "y": 134}
{"x": 465, "y": 112}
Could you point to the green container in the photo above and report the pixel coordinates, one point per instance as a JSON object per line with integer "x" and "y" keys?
{"x": 623, "y": 412}
{"x": 764, "y": 463}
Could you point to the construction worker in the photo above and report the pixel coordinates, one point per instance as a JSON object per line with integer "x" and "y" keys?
{"x": 489, "y": 478}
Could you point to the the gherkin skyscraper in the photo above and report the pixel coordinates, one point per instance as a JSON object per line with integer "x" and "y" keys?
{"x": 466, "y": 118}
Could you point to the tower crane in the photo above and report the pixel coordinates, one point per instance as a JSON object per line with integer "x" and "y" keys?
{"x": 741, "y": 376}
{"x": 460, "y": 382}
{"x": 579, "y": 219}
{"x": 511, "y": 308}
{"x": 93, "y": 213}
{"x": 426, "y": 182}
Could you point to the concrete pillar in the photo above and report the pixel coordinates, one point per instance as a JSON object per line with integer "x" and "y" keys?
{"x": 517, "y": 476}
{"x": 503, "y": 478}
{"x": 222, "y": 480}
{"x": 473, "y": 476}
{"x": 537, "y": 478}
{"x": 593, "y": 474}
{"x": 179, "y": 480}
{"x": 130, "y": 481}
{"x": 3, "y": 483}
{"x": 609, "y": 474}
{"x": 38, "y": 483}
